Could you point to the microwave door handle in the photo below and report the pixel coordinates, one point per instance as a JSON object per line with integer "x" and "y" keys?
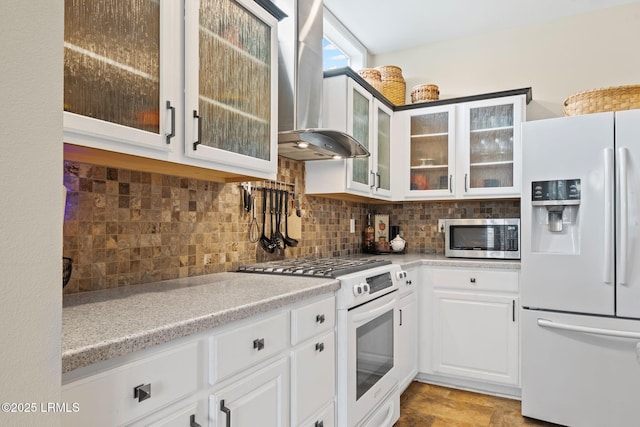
{"x": 608, "y": 216}
{"x": 624, "y": 214}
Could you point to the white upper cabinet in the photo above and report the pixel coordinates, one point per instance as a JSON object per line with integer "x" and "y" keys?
{"x": 129, "y": 66}
{"x": 429, "y": 152}
{"x": 231, "y": 63}
{"x": 351, "y": 108}
{"x": 491, "y": 147}
{"x": 121, "y": 66}
{"x": 464, "y": 150}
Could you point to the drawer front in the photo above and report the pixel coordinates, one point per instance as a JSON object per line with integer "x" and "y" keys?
{"x": 313, "y": 369}
{"x": 244, "y": 346}
{"x": 108, "y": 398}
{"x": 325, "y": 418}
{"x": 312, "y": 319}
{"x": 506, "y": 281}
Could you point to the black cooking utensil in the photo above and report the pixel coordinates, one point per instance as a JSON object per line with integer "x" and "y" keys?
{"x": 265, "y": 242}
{"x": 278, "y": 238}
{"x": 287, "y": 240}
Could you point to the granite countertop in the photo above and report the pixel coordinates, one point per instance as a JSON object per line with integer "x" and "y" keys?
{"x": 102, "y": 325}
{"x": 435, "y": 260}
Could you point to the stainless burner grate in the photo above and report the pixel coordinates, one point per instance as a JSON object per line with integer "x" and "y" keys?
{"x": 319, "y": 267}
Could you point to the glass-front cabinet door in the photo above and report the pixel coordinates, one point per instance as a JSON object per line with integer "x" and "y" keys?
{"x": 231, "y": 83}
{"x": 491, "y": 149}
{"x": 431, "y": 153}
{"x": 359, "y": 125}
{"x": 118, "y": 61}
{"x": 382, "y": 142}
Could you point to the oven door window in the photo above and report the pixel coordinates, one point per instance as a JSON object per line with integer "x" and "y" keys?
{"x": 374, "y": 351}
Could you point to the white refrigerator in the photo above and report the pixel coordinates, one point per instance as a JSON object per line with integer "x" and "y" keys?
{"x": 580, "y": 275}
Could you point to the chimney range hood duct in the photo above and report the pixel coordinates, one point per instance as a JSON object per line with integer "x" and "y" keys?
{"x": 300, "y": 77}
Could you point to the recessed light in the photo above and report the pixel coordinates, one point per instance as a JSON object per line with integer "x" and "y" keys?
{"x": 303, "y": 144}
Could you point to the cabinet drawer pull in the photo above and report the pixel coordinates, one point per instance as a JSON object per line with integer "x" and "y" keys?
{"x": 472, "y": 280}
{"x": 258, "y": 344}
{"x": 193, "y": 422}
{"x": 227, "y": 412}
{"x": 173, "y": 122}
{"x": 142, "y": 392}
{"x": 320, "y": 346}
{"x": 319, "y": 424}
{"x": 197, "y": 141}
{"x": 320, "y": 318}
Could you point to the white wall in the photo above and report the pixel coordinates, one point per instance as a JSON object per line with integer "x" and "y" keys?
{"x": 31, "y": 215}
{"x": 556, "y": 59}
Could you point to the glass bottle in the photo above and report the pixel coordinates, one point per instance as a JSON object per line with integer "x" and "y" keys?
{"x": 368, "y": 240}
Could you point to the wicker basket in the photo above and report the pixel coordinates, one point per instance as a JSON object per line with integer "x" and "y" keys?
{"x": 601, "y": 100}
{"x": 372, "y": 76}
{"x": 394, "y": 88}
{"x": 426, "y": 92}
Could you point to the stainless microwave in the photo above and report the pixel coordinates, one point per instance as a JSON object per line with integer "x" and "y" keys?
{"x": 482, "y": 238}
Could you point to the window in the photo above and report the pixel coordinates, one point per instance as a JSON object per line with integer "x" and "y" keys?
{"x": 332, "y": 57}
{"x": 340, "y": 47}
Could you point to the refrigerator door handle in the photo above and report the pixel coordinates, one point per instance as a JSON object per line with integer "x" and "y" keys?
{"x": 608, "y": 215}
{"x": 623, "y": 195}
{"x": 588, "y": 330}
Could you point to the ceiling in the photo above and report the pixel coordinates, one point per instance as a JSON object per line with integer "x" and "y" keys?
{"x": 386, "y": 26}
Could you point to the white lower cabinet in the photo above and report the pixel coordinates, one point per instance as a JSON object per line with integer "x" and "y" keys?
{"x": 313, "y": 364}
{"x": 122, "y": 394}
{"x": 258, "y": 399}
{"x": 313, "y": 370}
{"x": 475, "y": 336}
{"x": 407, "y": 354}
{"x": 274, "y": 369}
{"x": 469, "y": 328}
{"x": 324, "y": 418}
{"x": 240, "y": 348}
{"x": 193, "y": 414}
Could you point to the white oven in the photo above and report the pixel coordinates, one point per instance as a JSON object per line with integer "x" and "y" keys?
{"x": 367, "y": 331}
{"x": 367, "y": 372}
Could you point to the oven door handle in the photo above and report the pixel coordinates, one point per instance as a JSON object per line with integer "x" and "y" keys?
{"x": 373, "y": 313}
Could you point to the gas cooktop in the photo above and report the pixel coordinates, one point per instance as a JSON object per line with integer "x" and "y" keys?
{"x": 318, "y": 267}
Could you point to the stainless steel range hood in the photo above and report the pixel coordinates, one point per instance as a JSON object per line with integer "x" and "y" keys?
{"x": 300, "y": 135}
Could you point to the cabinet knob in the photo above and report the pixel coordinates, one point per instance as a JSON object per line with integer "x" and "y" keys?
{"x": 319, "y": 424}
{"x": 320, "y": 318}
{"x": 320, "y": 346}
{"x": 142, "y": 392}
{"x": 258, "y": 344}
{"x": 472, "y": 280}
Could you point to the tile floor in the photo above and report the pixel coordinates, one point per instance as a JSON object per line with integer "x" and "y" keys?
{"x": 426, "y": 405}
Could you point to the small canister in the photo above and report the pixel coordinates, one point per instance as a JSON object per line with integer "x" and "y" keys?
{"x": 372, "y": 76}
{"x": 425, "y": 92}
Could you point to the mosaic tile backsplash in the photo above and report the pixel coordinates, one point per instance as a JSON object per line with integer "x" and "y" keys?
{"x": 125, "y": 227}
